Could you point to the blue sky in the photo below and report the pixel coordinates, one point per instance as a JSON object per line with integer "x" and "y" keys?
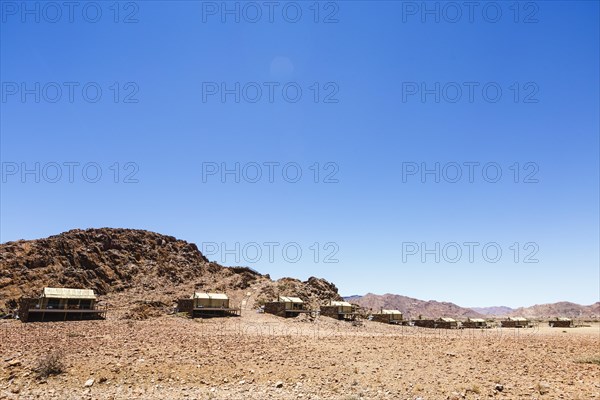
{"x": 380, "y": 97}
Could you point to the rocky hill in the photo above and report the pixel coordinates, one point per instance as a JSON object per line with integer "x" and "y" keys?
{"x": 128, "y": 266}
{"x": 560, "y": 309}
{"x": 498, "y": 311}
{"x": 412, "y": 308}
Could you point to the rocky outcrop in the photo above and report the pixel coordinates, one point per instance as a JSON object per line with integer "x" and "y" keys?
{"x": 314, "y": 291}
{"x": 124, "y": 261}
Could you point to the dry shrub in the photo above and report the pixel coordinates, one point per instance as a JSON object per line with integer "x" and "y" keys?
{"x": 50, "y": 364}
{"x": 145, "y": 310}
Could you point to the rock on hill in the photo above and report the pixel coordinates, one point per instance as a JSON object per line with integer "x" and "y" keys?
{"x": 412, "y": 308}
{"x": 560, "y": 309}
{"x": 129, "y": 266}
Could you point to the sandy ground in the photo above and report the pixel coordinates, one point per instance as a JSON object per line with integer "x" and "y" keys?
{"x": 261, "y": 356}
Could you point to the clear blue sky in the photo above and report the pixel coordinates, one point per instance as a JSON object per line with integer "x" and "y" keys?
{"x": 376, "y": 65}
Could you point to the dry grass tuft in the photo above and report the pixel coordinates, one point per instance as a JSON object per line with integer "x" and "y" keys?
{"x": 50, "y": 364}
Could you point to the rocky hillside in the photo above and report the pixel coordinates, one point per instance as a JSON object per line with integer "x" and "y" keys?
{"x": 412, "y": 308}
{"x": 498, "y": 311}
{"x": 560, "y": 309}
{"x": 129, "y": 266}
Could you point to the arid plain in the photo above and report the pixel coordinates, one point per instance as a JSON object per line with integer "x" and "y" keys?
{"x": 258, "y": 356}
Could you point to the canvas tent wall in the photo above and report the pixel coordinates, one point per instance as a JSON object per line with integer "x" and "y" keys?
{"x": 388, "y": 316}
{"x": 561, "y": 323}
{"x": 60, "y": 304}
{"x": 339, "y": 310}
{"x": 394, "y": 315}
{"x": 475, "y": 323}
{"x": 446, "y": 323}
{"x": 425, "y": 323}
{"x": 291, "y": 303}
{"x": 342, "y": 306}
{"x": 287, "y": 306}
{"x": 210, "y": 300}
{"x": 207, "y": 305}
{"x": 67, "y": 298}
{"x": 515, "y": 322}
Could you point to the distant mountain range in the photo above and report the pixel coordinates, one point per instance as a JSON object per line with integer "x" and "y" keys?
{"x": 412, "y": 308}
{"x": 499, "y": 311}
{"x": 560, "y": 309}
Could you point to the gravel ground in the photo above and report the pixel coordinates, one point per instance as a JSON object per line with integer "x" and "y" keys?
{"x": 260, "y": 356}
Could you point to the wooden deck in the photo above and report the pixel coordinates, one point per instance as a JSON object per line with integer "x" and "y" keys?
{"x": 210, "y": 312}
{"x": 63, "y": 314}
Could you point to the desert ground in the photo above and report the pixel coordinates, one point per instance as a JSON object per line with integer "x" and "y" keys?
{"x": 260, "y": 356}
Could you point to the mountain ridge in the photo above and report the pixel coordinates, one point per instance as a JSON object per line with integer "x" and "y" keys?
{"x": 495, "y": 311}
{"x": 412, "y": 307}
{"x": 425, "y": 307}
